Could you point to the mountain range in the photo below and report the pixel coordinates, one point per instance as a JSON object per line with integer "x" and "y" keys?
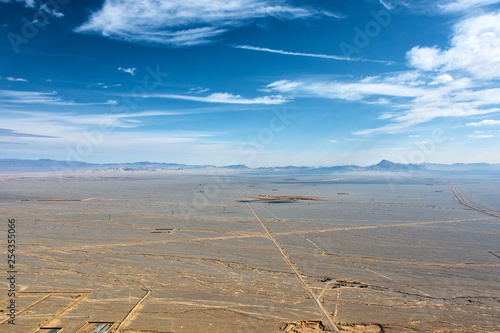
{"x": 47, "y": 165}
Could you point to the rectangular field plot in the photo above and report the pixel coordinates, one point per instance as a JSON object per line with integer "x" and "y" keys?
{"x": 96, "y": 327}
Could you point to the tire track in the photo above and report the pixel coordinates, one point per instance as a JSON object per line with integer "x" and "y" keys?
{"x": 329, "y": 320}
{"x": 133, "y": 310}
{"x": 463, "y": 199}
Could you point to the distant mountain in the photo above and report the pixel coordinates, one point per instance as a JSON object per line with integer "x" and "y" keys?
{"x": 383, "y": 166}
{"x": 462, "y": 166}
{"x": 43, "y": 165}
{"x": 386, "y": 165}
{"x": 237, "y": 166}
{"x": 47, "y": 165}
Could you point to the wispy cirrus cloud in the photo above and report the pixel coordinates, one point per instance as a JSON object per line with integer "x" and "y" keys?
{"x": 27, "y": 97}
{"x": 56, "y": 131}
{"x": 36, "y": 97}
{"x": 184, "y": 23}
{"x": 386, "y": 4}
{"x": 409, "y": 101}
{"x": 349, "y": 91}
{"x": 458, "y": 82}
{"x": 463, "y": 5}
{"x": 51, "y": 11}
{"x": 75, "y": 120}
{"x": 198, "y": 90}
{"x": 312, "y": 55}
{"x": 10, "y": 133}
{"x": 223, "y": 98}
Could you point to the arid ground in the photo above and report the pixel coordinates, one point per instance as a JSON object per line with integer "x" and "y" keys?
{"x": 181, "y": 252}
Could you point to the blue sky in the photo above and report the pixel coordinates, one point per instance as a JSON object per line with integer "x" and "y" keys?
{"x": 256, "y": 82}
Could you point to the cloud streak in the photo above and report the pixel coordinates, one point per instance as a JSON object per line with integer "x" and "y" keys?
{"x": 57, "y": 131}
{"x": 312, "y": 55}
{"x": 223, "y": 98}
{"x": 349, "y": 91}
{"x": 464, "y": 5}
{"x": 35, "y": 97}
{"x": 10, "y": 133}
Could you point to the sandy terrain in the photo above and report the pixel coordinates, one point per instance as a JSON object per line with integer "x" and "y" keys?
{"x": 195, "y": 253}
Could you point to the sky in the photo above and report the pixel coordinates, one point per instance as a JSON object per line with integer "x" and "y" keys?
{"x": 254, "y": 82}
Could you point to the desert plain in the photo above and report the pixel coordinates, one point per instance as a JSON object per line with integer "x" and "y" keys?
{"x": 232, "y": 251}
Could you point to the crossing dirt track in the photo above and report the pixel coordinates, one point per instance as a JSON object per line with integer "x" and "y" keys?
{"x": 177, "y": 252}
{"x": 464, "y": 199}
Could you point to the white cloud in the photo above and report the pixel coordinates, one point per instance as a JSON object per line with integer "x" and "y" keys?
{"x": 198, "y": 90}
{"x": 481, "y": 136}
{"x": 111, "y": 85}
{"x": 412, "y": 78}
{"x": 225, "y": 98}
{"x": 486, "y": 122}
{"x": 312, "y": 55}
{"x": 380, "y": 101}
{"x": 283, "y": 86}
{"x": 445, "y": 78}
{"x": 330, "y": 14}
{"x": 387, "y": 5}
{"x": 130, "y": 70}
{"x": 410, "y": 104}
{"x": 35, "y": 97}
{"x": 63, "y": 128}
{"x": 64, "y": 132}
{"x": 183, "y": 23}
{"x": 51, "y": 11}
{"x": 26, "y": 97}
{"x": 464, "y": 5}
{"x": 10, "y": 78}
{"x": 387, "y": 115}
{"x": 475, "y": 49}
{"x": 343, "y": 90}
{"x": 425, "y": 58}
